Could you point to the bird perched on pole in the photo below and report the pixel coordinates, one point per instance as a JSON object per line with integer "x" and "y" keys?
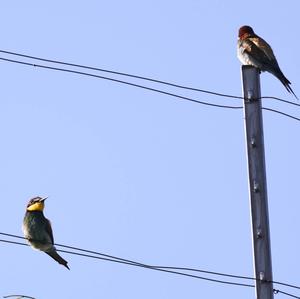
{"x": 255, "y": 51}
{"x": 37, "y": 229}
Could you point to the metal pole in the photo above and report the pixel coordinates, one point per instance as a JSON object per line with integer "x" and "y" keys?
{"x": 257, "y": 183}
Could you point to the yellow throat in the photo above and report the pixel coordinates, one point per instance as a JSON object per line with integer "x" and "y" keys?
{"x": 37, "y": 206}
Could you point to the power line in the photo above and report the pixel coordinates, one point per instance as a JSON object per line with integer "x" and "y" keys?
{"x": 121, "y": 74}
{"x": 168, "y": 269}
{"x": 141, "y": 265}
{"x": 285, "y": 293}
{"x": 19, "y": 296}
{"x": 139, "y": 77}
{"x": 282, "y": 113}
{"x": 161, "y": 269}
{"x": 281, "y": 100}
{"x": 120, "y": 81}
{"x": 134, "y": 262}
{"x": 127, "y": 261}
{"x": 145, "y": 87}
{"x": 286, "y": 284}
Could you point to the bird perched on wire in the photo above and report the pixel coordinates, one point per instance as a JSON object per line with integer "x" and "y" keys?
{"x": 253, "y": 50}
{"x": 37, "y": 229}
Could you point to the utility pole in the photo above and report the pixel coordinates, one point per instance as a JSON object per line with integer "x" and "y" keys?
{"x": 257, "y": 183}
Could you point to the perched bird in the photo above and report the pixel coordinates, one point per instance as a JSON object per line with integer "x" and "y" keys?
{"x": 253, "y": 50}
{"x": 37, "y": 229}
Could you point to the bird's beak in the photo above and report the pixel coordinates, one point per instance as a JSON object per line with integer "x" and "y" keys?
{"x": 43, "y": 199}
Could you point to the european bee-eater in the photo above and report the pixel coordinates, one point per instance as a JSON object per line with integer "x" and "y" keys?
{"x": 37, "y": 229}
{"x": 255, "y": 51}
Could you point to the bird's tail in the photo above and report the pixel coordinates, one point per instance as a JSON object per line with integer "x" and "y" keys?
{"x": 285, "y": 82}
{"x": 58, "y": 258}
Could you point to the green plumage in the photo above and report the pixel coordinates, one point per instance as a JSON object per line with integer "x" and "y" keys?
{"x": 37, "y": 230}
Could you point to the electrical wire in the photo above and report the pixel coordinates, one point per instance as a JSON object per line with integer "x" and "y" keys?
{"x": 141, "y": 265}
{"x": 282, "y": 113}
{"x": 286, "y": 284}
{"x": 281, "y": 100}
{"x": 113, "y": 259}
{"x": 285, "y": 293}
{"x": 160, "y": 268}
{"x": 120, "y": 81}
{"x": 19, "y": 296}
{"x": 142, "y": 86}
{"x": 137, "y": 263}
{"x": 168, "y": 269}
{"x": 121, "y": 74}
{"x": 139, "y": 77}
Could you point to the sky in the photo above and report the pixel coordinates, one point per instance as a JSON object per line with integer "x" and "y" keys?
{"x": 138, "y": 174}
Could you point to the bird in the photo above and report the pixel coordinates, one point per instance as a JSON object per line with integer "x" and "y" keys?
{"x": 37, "y": 229}
{"x": 255, "y": 51}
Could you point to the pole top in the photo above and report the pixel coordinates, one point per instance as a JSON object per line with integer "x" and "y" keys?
{"x": 251, "y": 83}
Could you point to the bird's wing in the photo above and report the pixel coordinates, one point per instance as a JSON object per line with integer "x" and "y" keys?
{"x": 260, "y": 52}
{"x": 263, "y": 46}
{"x": 49, "y": 230}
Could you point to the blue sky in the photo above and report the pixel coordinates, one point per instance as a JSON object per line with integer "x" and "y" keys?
{"x": 134, "y": 173}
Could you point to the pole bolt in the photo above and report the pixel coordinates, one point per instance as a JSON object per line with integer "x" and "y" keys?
{"x": 256, "y": 187}
{"x": 261, "y": 275}
{"x": 259, "y": 233}
{"x": 250, "y": 95}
